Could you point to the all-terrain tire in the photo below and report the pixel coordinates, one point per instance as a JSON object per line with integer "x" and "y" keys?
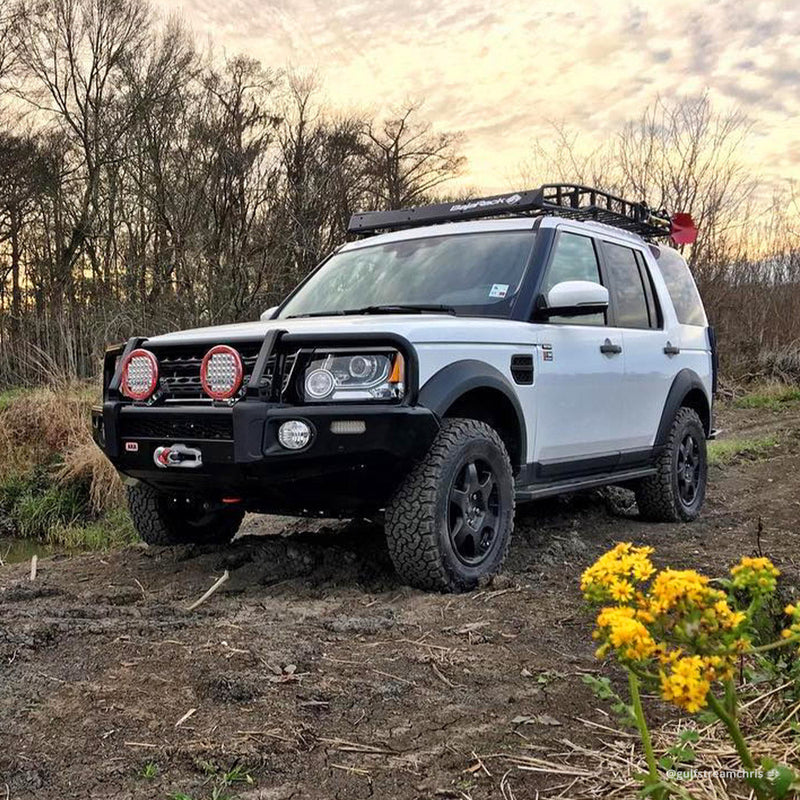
{"x": 419, "y": 520}
{"x": 665, "y": 497}
{"x": 163, "y": 519}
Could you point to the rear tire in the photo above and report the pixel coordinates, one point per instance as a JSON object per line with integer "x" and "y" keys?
{"x": 165, "y": 519}
{"x": 449, "y": 524}
{"x": 677, "y": 491}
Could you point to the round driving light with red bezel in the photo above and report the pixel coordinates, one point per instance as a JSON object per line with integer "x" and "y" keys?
{"x": 139, "y": 375}
{"x": 221, "y": 372}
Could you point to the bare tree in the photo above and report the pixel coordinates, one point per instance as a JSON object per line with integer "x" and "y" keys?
{"x": 10, "y": 18}
{"x": 76, "y": 50}
{"x": 408, "y": 160}
{"x": 22, "y": 175}
{"x": 685, "y": 156}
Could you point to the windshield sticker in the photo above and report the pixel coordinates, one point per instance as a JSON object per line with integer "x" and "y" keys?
{"x": 498, "y": 290}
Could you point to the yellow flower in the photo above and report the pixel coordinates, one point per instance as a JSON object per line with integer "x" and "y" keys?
{"x": 673, "y": 587}
{"x": 726, "y": 616}
{"x": 757, "y": 575}
{"x": 686, "y": 684}
{"x": 629, "y": 637}
{"x": 790, "y": 609}
{"x": 620, "y": 590}
{"x": 623, "y": 564}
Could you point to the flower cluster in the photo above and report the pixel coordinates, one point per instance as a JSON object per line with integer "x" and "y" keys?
{"x": 794, "y": 628}
{"x": 620, "y": 629}
{"x": 674, "y": 626}
{"x": 615, "y": 574}
{"x": 686, "y": 682}
{"x": 755, "y": 575}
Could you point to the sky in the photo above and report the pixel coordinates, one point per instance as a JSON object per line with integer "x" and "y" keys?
{"x": 502, "y": 72}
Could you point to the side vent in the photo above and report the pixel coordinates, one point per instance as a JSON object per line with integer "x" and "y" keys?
{"x": 522, "y": 369}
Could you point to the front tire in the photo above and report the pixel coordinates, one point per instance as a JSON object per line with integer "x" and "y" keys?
{"x": 677, "y": 491}
{"x": 449, "y": 524}
{"x": 166, "y": 519}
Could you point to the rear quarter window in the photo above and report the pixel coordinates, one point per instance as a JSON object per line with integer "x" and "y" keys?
{"x": 681, "y": 287}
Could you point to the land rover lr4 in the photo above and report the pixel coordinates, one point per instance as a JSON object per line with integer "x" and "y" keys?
{"x": 453, "y": 360}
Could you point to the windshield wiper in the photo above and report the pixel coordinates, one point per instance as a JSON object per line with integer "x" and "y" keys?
{"x": 391, "y": 308}
{"x": 318, "y": 314}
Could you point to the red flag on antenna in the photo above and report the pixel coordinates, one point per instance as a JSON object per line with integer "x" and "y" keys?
{"x": 683, "y": 230}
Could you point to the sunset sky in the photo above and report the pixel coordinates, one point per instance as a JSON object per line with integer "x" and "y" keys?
{"x": 499, "y": 72}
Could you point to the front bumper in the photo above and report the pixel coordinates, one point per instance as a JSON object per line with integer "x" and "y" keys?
{"x": 242, "y": 458}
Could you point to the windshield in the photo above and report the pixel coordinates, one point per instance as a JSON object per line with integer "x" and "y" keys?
{"x": 473, "y": 274}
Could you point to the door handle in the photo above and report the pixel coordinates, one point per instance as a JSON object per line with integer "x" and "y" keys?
{"x": 671, "y": 350}
{"x": 608, "y": 348}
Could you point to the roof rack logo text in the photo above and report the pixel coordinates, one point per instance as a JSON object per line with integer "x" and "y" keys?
{"x": 492, "y": 201}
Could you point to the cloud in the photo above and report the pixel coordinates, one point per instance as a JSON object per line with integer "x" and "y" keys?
{"x": 500, "y": 73}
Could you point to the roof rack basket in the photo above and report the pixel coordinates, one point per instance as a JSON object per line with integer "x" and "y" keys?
{"x": 558, "y": 199}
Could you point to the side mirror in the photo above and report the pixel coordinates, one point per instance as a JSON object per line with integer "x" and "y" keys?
{"x": 269, "y": 314}
{"x": 575, "y": 299}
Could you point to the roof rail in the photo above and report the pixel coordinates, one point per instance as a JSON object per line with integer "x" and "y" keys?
{"x": 558, "y": 199}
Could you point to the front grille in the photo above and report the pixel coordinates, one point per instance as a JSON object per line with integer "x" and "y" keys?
{"x": 219, "y": 427}
{"x": 179, "y": 368}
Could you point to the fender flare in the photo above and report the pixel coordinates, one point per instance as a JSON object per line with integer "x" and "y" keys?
{"x": 685, "y": 381}
{"x": 454, "y": 381}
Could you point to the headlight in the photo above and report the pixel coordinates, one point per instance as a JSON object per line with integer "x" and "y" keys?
{"x": 354, "y": 376}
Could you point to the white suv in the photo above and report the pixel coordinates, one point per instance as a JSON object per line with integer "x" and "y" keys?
{"x": 438, "y": 372}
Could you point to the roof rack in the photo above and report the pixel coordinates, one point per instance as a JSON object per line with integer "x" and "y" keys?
{"x": 559, "y": 199}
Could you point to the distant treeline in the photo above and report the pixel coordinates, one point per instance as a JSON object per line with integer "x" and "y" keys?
{"x": 147, "y": 186}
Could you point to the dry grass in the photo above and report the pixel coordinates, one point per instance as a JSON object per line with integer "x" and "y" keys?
{"x": 609, "y": 769}
{"x": 782, "y": 363}
{"x": 51, "y": 427}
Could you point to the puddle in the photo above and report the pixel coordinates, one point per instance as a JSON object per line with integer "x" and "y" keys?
{"x": 13, "y": 550}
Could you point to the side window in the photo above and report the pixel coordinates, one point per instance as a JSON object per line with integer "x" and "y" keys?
{"x": 631, "y": 308}
{"x": 681, "y": 287}
{"x": 574, "y": 259}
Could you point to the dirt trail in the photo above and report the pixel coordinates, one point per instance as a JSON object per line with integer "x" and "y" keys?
{"x": 317, "y": 671}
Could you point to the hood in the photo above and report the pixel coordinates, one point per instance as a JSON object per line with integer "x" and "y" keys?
{"x": 417, "y": 328}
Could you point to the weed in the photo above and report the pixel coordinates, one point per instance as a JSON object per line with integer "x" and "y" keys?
{"x": 237, "y": 774}
{"x": 602, "y": 690}
{"x": 114, "y": 529}
{"x": 37, "y": 513}
{"x": 726, "y": 451}
{"x": 8, "y": 396}
{"x": 773, "y": 396}
{"x": 150, "y": 770}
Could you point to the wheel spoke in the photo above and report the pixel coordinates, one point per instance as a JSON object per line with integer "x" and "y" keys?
{"x": 486, "y": 488}
{"x": 463, "y": 535}
{"x": 461, "y": 499}
{"x": 473, "y": 482}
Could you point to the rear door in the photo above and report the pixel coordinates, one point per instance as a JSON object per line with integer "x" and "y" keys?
{"x": 579, "y": 385}
{"x": 650, "y": 347}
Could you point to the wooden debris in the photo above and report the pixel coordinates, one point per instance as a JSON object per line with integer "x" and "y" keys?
{"x": 185, "y": 717}
{"x": 220, "y": 582}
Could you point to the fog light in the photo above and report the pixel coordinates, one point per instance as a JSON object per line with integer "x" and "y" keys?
{"x": 294, "y": 434}
{"x": 345, "y": 426}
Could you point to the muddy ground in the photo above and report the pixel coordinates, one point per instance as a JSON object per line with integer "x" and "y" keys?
{"x": 318, "y": 674}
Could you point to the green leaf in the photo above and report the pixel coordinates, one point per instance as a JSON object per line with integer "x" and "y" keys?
{"x": 781, "y": 779}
